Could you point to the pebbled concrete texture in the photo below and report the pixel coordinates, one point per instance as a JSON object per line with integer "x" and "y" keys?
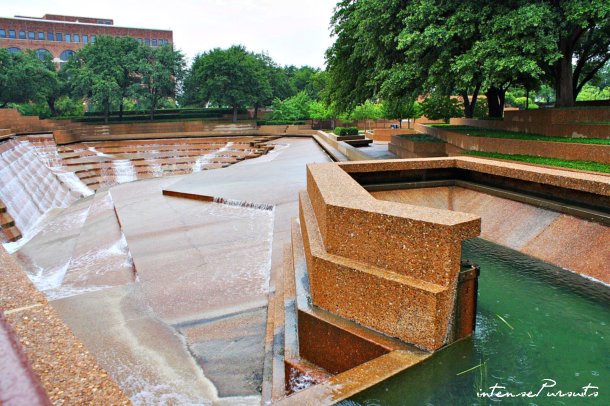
{"x": 69, "y": 373}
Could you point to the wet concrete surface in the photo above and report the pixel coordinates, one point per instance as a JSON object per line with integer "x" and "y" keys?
{"x": 182, "y": 317}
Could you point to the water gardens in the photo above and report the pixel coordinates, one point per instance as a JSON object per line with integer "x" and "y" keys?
{"x": 214, "y": 254}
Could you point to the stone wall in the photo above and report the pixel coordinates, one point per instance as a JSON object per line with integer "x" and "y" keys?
{"x": 17, "y": 124}
{"x": 390, "y": 267}
{"x": 405, "y": 148}
{"x": 547, "y": 149}
{"x": 573, "y": 122}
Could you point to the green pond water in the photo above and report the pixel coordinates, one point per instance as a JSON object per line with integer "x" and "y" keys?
{"x": 537, "y": 326}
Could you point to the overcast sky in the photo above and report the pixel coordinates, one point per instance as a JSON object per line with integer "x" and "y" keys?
{"x": 292, "y": 32}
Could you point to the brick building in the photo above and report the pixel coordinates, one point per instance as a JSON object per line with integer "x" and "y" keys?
{"x": 61, "y": 36}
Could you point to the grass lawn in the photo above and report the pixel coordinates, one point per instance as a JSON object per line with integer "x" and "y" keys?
{"x": 564, "y": 163}
{"x": 484, "y": 132}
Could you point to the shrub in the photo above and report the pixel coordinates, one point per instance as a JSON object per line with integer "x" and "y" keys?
{"x": 346, "y": 131}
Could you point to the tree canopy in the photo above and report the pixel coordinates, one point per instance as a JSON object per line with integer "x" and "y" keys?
{"x": 393, "y": 49}
{"x": 229, "y": 77}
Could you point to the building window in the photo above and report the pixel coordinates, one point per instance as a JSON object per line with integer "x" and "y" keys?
{"x": 11, "y": 34}
{"x": 21, "y": 34}
{"x": 67, "y": 54}
{"x": 100, "y": 21}
{"x": 76, "y": 38}
{"x": 2, "y": 33}
{"x": 58, "y": 37}
{"x": 85, "y": 39}
{"x": 43, "y": 54}
{"x": 41, "y": 36}
{"x": 14, "y": 50}
{"x": 147, "y": 41}
{"x": 108, "y": 23}
{"x": 68, "y": 38}
{"x": 140, "y": 40}
{"x": 31, "y": 35}
{"x": 92, "y": 39}
{"x": 50, "y": 36}
{"x": 154, "y": 43}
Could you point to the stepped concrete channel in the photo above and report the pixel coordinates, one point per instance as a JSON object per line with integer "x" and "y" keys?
{"x": 195, "y": 289}
{"x": 169, "y": 294}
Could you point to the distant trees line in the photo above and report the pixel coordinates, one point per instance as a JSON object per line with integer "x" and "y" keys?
{"x": 114, "y": 72}
{"x": 120, "y": 74}
{"x": 387, "y": 55}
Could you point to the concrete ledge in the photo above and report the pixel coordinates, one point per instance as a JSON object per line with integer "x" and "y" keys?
{"x": 386, "y": 134}
{"x": 586, "y": 182}
{"x": 549, "y": 122}
{"x": 406, "y": 148}
{"x": 547, "y": 149}
{"x": 397, "y": 300}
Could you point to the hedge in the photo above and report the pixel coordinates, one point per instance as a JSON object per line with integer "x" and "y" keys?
{"x": 346, "y": 131}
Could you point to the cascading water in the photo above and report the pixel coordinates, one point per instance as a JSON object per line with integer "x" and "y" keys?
{"x": 30, "y": 187}
{"x": 206, "y": 159}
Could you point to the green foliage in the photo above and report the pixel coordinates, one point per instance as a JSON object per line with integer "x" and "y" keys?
{"x": 158, "y": 72}
{"x": 481, "y": 108}
{"x": 64, "y": 107}
{"x": 522, "y": 103}
{"x": 439, "y": 107}
{"x": 25, "y": 78}
{"x": 319, "y": 110}
{"x": 564, "y": 163}
{"x": 401, "y": 108}
{"x": 291, "y": 109}
{"x": 231, "y": 77}
{"x": 395, "y": 48}
{"x": 590, "y": 92}
{"x": 346, "y": 131}
{"x": 367, "y": 111}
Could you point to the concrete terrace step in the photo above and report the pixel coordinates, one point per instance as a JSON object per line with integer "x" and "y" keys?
{"x": 6, "y": 220}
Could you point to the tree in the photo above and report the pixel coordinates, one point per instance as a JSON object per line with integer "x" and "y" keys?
{"x": 292, "y": 109}
{"x": 230, "y": 77}
{"x": 319, "y": 110}
{"x": 582, "y": 35}
{"x": 96, "y": 74}
{"x": 440, "y": 107}
{"x": 365, "y": 52}
{"x": 159, "y": 72}
{"x": 390, "y": 49}
{"x": 25, "y": 78}
{"x": 401, "y": 108}
{"x": 366, "y": 111}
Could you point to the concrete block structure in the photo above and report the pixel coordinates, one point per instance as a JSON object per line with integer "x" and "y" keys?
{"x": 61, "y": 36}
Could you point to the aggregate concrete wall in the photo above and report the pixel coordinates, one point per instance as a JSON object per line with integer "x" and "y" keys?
{"x": 574, "y": 122}
{"x": 392, "y": 268}
{"x": 385, "y": 134}
{"x": 547, "y": 149}
{"x": 405, "y": 148}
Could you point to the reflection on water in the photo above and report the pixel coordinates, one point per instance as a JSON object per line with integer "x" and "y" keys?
{"x": 534, "y": 322}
